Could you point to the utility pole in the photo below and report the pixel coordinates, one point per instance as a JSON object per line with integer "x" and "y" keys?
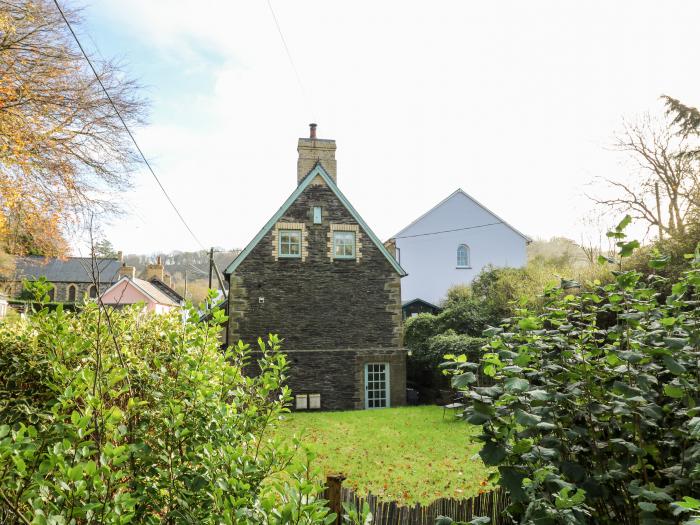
{"x": 211, "y": 266}
{"x": 185, "y": 284}
{"x": 658, "y": 211}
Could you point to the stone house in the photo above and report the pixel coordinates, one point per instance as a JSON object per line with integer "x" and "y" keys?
{"x": 318, "y": 276}
{"x": 73, "y": 278}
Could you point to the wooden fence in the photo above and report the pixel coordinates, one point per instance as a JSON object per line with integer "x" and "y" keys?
{"x": 489, "y": 504}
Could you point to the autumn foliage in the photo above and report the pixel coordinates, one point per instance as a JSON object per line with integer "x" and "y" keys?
{"x": 62, "y": 146}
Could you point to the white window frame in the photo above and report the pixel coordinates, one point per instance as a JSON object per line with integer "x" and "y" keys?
{"x": 466, "y": 263}
{"x": 371, "y": 378}
{"x": 340, "y": 233}
{"x": 280, "y": 235}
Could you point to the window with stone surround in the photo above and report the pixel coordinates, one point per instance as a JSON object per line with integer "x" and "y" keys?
{"x": 289, "y": 243}
{"x": 344, "y": 242}
{"x": 343, "y": 245}
{"x": 72, "y": 292}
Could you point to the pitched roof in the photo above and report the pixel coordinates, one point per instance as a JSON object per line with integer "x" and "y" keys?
{"x": 460, "y": 191}
{"x": 69, "y": 270}
{"x": 422, "y": 301}
{"x": 316, "y": 171}
{"x": 167, "y": 290}
{"x": 147, "y": 288}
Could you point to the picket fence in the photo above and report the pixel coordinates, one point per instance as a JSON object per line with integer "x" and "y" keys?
{"x": 490, "y": 504}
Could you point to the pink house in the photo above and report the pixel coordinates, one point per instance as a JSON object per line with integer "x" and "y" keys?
{"x": 155, "y": 295}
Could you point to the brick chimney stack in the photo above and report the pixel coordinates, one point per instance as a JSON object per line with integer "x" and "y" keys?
{"x": 313, "y": 150}
{"x": 127, "y": 271}
{"x": 156, "y": 270}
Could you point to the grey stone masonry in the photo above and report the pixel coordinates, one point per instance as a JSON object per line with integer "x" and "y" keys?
{"x": 334, "y": 315}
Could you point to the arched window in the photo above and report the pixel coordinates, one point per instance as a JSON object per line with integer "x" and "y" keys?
{"x": 92, "y": 291}
{"x": 463, "y": 256}
{"x": 72, "y": 291}
{"x": 52, "y": 293}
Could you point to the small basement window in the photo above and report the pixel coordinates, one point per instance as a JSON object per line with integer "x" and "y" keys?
{"x": 317, "y": 215}
{"x": 290, "y": 243}
{"x": 343, "y": 245}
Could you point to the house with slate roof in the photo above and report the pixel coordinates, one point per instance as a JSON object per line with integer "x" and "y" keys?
{"x": 73, "y": 278}
{"x": 318, "y": 276}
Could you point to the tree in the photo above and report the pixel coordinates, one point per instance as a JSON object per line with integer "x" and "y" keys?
{"x": 104, "y": 248}
{"x": 593, "y": 416}
{"x": 104, "y": 424}
{"x": 665, "y": 189}
{"x": 63, "y": 148}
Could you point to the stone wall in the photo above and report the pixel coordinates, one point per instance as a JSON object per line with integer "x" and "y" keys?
{"x": 338, "y": 375}
{"x": 14, "y": 289}
{"x": 334, "y": 315}
{"x": 316, "y": 303}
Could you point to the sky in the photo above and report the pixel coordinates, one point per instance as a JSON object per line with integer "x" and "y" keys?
{"x": 517, "y": 103}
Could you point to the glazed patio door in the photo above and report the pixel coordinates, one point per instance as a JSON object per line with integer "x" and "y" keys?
{"x": 377, "y": 385}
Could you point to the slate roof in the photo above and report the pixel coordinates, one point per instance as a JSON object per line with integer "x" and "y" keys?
{"x": 418, "y": 300}
{"x": 69, "y": 270}
{"x": 167, "y": 290}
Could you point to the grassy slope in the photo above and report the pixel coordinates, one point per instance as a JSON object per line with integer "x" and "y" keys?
{"x": 406, "y": 454}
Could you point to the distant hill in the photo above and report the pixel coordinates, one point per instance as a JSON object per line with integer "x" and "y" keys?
{"x": 193, "y": 265}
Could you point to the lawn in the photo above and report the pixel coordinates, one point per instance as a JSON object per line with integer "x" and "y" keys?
{"x": 408, "y": 454}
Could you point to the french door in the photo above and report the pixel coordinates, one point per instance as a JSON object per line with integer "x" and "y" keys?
{"x": 377, "y": 385}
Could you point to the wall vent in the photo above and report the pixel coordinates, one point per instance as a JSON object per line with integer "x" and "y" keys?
{"x": 315, "y": 401}
{"x": 302, "y": 402}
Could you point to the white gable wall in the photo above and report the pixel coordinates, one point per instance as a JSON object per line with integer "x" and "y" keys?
{"x": 431, "y": 260}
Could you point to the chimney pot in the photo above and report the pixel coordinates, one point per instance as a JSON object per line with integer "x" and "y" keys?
{"x": 312, "y": 130}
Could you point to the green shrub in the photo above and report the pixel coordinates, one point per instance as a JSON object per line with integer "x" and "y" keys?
{"x": 595, "y": 416}
{"x": 429, "y": 337}
{"x": 418, "y": 329}
{"x": 112, "y": 416}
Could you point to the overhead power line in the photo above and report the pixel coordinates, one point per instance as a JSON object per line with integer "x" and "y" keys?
{"x": 133, "y": 139}
{"x": 448, "y": 231}
{"x": 304, "y": 93}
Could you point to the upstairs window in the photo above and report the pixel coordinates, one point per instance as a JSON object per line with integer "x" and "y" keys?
{"x": 343, "y": 245}
{"x": 463, "y": 256}
{"x": 317, "y": 215}
{"x": 289, "y": 243}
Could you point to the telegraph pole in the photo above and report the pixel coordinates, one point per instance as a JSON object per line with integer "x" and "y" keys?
{"x": 211, "y": 265}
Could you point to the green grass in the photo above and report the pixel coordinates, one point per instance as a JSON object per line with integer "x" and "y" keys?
{"x": 406, "y": 454}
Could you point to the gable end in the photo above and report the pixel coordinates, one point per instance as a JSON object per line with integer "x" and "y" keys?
{"x": 312, "y": 178}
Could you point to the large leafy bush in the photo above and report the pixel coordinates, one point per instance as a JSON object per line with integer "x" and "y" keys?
{"x": 456, "y": 329}
{"x": 594, "y": 416}
{"x": 117, "y": 417}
